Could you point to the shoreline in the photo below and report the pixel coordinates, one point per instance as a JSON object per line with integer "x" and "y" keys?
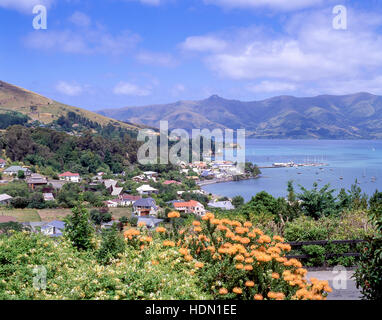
{"x": 216, "y": 181}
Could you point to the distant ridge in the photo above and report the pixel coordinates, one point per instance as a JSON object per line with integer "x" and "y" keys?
{"x": 354, "y": 116}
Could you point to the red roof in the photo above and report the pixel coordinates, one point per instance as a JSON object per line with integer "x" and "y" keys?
{"x": 2, "y": 161}
{"x": 69, "y": 174}
{"x": 129, "y": 197}
{"x": 171, "y": 182}
{"x": 191, "y": 203}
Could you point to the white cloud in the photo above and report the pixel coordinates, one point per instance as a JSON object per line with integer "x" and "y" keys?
{"x": 275, "y": 4}
{"x": 89, "y": 41}
{"x": 203, "y": 43}
{"x": 25, "y": 6}
{"x": 307, "y": 53}
{"x": 156, "y": 58}
{"x": 80, "y": 19}
{"x": 130, "y": 89}
{"x": 271, "y": 87}
{"x": 69, "y": 89}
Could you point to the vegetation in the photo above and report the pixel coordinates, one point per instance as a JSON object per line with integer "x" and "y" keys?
{"x": 369, "y": 272}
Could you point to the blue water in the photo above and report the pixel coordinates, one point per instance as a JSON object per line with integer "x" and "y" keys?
{"x": 349, "y": 159}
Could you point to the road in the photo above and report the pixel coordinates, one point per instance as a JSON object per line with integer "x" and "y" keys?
{"x": 346, "y": 291}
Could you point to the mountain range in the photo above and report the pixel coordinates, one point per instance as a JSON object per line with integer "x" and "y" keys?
{"x": 354, "y": 116}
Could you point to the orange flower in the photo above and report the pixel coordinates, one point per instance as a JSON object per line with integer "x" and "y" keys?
{"x": 237, "y": 290}
{"x": 168, "y": 243}
{"x": 160, "y": 230}
{"x": 239, "y": 266}
{"x": 223, "y": 291}
{"x": 249, "y": 284}
{"x": 183, "y": 251}
{"x": 197, "y": 229}
{"x": 199, "y": 265}
{"x": 278, "y": 238}
{"x": 155, "y": 262}
{"x": 248, "y": 267}
{"x": 196, "y": 223}
{"x": 245, "y": 240}
{"x": 275, "y": 275}
{"x": 188, "y": 258}
{"x": 174, "y": 214}
{"x": 239, "y": 258}
{"x": 264, "y": 239}
{"x": 247, "y": 224}
{"x": 142, "y": 224}
{"x": 258, "y": 297}
{"x": 249, "y": 260}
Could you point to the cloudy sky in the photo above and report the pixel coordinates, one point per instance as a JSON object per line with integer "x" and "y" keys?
{"x": 100, "y": 54}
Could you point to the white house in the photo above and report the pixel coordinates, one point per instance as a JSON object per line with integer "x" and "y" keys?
{"x": 71, "y": 177}
{"x": 14, "y": 170}
{"x": 191, "y": 206}
{"x": 146, "y": 189}
{"x": 5, "y": 199}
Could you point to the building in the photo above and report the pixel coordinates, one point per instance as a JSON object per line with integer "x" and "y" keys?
{"x": 68, "y": 176}
{"x": 5, "y": 199}
{"x": 35, "y": 180}
{"x": 109, "y": 184}
{"x": 146, "y": 190}
{"x": 224, "y": 205}
{"x": 48, "y": 196}
{"x": 191, "y": 206}
{"x": 150, "y": 222}
{"x": 128, "y": 199}
{"x": 52, "y": 229}
{"x": 151, "y": 175}
{"x": 3, "y": 163}
{"x": 145, "y": 207}
{"x": 14, "y": 170}
{"x": 116, "y": 191}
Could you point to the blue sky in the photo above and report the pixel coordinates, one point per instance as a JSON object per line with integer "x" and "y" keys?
{"x": 100, "y": 54}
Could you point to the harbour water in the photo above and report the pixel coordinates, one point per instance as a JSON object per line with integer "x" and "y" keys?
{"x": 347, "y": 160}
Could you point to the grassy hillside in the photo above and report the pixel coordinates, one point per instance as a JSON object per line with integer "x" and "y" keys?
{"x": 45, "y": 110}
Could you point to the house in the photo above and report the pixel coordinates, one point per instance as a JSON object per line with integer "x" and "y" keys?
{"x": 140, "y": 178}
{"x": 116, "y": 191}
{"x": 224, "y": 205}
{"x": 112, "y": 203}
{"x": 5, "y": 199}
{"x": 128, "y": 199}
{"x": 35, "y": 180}
{"x": 145, "y": 207}
{"x": 146, "y": 189}
{"x": 52, "y": 229}
{"x": 150, "y": 222}
{"x": 151, "y": 175}
{"x": 48, "y": 196}
{"x": 191, "y": 206}
{"x": 2, "y": 163}
{"x": 14, "y": 170}
{"x": 68, "y": 176}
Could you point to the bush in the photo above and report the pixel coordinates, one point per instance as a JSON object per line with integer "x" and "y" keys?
{"x": 369, "y": 273}
{"x": 112, "y": 245}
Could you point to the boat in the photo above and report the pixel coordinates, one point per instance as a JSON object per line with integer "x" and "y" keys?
{"x": 341, "y": 178}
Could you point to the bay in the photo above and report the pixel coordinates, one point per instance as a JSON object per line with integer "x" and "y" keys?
{"x": 347, "y": 160}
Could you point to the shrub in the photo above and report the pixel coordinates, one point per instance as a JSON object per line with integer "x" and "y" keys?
{"x": 233, "y": 260}
{"x": 369, "y": 273}
{"x": 112, "y": 245}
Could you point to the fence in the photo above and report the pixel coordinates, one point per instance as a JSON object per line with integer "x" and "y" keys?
{"x": 352, "y": 243}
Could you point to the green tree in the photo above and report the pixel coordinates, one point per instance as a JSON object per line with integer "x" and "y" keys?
{"x": 78, "y": 228}
{"x": 21, "y": 174}
{"x": 237, "y": 201}
{"x": 112, "y": 245}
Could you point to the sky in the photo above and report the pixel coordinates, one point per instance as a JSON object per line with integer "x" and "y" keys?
{"x": 100, "y": 54}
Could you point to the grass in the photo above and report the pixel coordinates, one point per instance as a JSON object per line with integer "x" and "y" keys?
{"x": 22, "y": 215}
{"x": 47, "y": 215}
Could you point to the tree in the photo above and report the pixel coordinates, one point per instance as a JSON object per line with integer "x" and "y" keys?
{"x": 100, "y": 217}
{"x": 237, "y": 201}
{"x": 317, "y": 203}
{"x": 78, "y": 228}
{"x": 112, "y": 245}
{"x": 21, "y": 174}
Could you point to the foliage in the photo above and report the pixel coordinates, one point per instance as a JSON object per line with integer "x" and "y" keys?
{"x": 112, "y": 245}
{"x": 369, "y": 273}
{"x": 12, "y": 118}
{"x": 78, "y": 228}
{"x": 237, "y": 201}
